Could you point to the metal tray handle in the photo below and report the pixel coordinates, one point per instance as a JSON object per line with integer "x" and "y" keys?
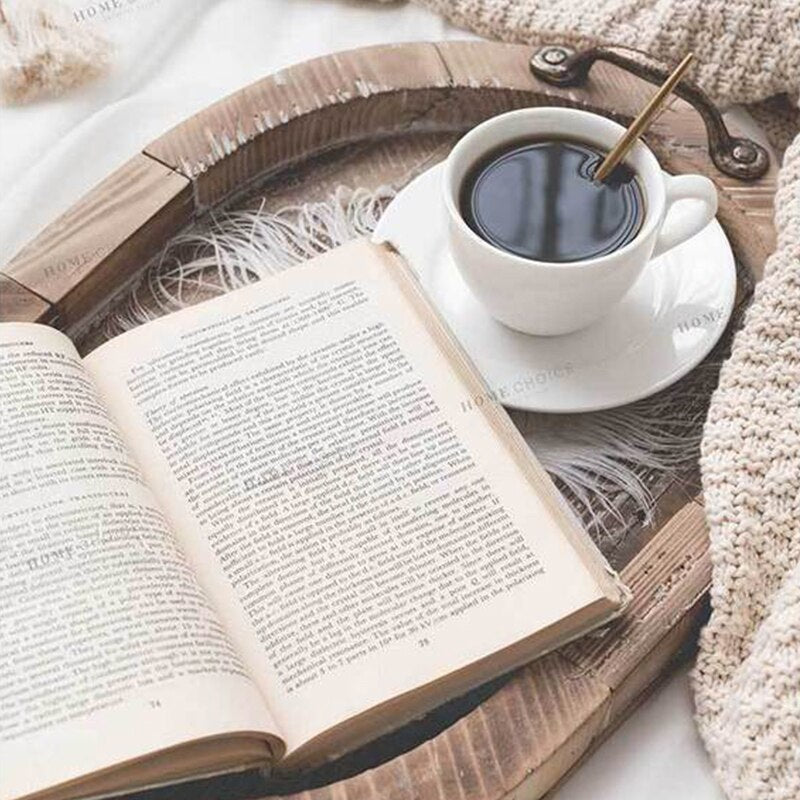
{"x": 736, "y": 156}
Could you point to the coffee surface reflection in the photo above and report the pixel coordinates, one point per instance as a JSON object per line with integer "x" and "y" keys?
{"x": 537, "y": 199}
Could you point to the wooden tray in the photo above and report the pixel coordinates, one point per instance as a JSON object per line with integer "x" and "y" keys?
{"x": 365, "y": 118}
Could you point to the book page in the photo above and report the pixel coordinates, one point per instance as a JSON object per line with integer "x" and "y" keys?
{"x": 354, "y": 514}
{"x": 109, "y": 648}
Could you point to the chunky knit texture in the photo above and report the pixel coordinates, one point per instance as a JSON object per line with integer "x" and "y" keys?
{"x": 745, "y": 50}
{"x": 747, "y": 677}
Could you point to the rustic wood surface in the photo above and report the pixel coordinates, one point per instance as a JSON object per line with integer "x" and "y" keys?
{"x": 93, "y": 250}
{"x": 18, "y": 304}
{"x": 380, "y": 116}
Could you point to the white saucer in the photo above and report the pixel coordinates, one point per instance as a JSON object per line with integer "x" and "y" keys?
{"x": 666, "y": 324}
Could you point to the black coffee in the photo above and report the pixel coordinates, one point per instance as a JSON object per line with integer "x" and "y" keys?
{"x": 537, "y": 199}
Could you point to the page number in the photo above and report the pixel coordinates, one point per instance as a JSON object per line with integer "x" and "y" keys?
{"x": 154, "y": 703}
{"x": 423, "y": 642}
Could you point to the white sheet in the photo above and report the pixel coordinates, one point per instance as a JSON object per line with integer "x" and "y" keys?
{"x": 174, "y": 58}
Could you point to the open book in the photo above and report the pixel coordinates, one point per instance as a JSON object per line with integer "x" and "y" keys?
{"x": 261, "y": 531}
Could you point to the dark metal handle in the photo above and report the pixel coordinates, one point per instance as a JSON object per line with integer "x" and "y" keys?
{"x": 735, "y": 156}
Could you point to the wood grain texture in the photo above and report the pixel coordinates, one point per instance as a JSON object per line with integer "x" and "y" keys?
{"x": 381, "y": 115}
{"x": 91, "y": 251}
{"x": 301, "y": 111}
{"x": 525, "y": 736}
{"x": 18, "y": 304}
{"x": 669, "y": 576}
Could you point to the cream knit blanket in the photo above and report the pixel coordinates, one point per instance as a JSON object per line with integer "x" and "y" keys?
{"x": 747, "y": 677}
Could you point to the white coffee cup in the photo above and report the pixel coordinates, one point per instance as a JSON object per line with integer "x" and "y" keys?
{"x": 546, "y": 298}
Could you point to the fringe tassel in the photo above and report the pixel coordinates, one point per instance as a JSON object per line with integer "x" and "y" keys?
{"x": 242, "y": 247}
{"x": 601, "y": 460}
{"x": 44, "y": 52}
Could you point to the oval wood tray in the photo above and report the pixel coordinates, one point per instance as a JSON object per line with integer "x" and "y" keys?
{"x": 364, "y": 118}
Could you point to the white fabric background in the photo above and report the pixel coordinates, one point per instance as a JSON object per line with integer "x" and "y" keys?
{"x": 173, "y": 58}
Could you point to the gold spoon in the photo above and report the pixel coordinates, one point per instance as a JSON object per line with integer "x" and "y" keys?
{"x": 643, "y": 119}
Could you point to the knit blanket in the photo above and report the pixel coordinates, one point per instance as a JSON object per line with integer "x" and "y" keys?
{"x": 747, "y": 676}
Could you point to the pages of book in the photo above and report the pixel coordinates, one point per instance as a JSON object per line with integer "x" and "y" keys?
{"x": 360, "y": 512}
{"x": 109, "y": 647}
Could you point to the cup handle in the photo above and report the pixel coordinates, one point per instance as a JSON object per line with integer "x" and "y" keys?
{"x": 677, "y": 228}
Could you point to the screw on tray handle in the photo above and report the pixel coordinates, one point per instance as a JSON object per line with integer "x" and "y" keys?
{"x": 737, "y": 157}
